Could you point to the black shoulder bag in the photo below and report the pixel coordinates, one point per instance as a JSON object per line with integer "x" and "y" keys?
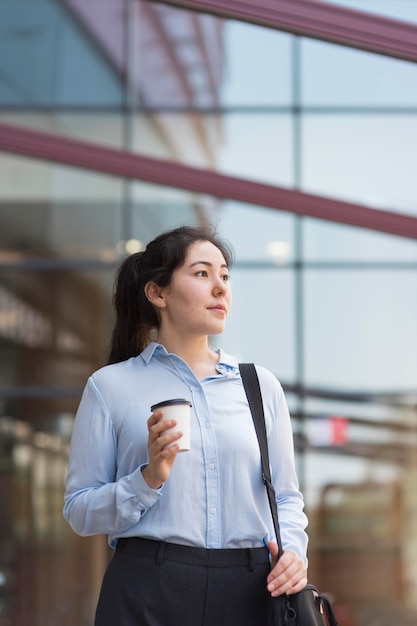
{"x": 307, "y": 607}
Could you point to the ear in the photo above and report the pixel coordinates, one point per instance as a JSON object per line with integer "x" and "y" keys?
{"x": 155, "y": 295}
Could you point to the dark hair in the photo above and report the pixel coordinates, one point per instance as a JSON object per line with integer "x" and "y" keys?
{"x": 136, "y": 317}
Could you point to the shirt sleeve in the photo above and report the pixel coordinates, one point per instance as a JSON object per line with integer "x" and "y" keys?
{"x": 290, "y": 501}
{"x": 95, "y": 502}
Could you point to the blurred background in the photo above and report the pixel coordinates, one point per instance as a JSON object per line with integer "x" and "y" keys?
{"x": 294, "y": 133}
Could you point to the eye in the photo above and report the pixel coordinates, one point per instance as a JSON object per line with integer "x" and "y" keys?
{"x": 202, "y": 273}
{"x": 226, "y": 277}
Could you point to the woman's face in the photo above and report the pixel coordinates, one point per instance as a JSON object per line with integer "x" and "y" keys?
{"x": 198, "y": 298}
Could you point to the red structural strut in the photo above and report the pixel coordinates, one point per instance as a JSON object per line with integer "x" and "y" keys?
{"x": 111, "y": 161}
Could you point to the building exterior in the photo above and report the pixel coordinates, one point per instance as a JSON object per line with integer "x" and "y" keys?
{"x": 291, "y": 127}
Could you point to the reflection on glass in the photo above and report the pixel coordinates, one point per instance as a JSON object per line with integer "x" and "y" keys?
{"x": 326, "y": 241}
{"x": 41, "y": 31}
{"x": 258, "y": 147}
{"x": 252, "y": 228}
{"x": 348, "y": 310}
{"x": 334, "y": 75}
{"x": 364, "y": 159}
{"x": 257, "y": 66}
{"x": 396, "y": 9}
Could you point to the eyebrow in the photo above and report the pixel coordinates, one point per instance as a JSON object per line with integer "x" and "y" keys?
{"x": 207, "y": 263}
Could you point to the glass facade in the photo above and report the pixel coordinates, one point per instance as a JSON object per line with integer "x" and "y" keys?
{"x": 329, "y": 308}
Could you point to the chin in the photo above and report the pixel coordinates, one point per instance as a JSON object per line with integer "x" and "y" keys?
{"x": 216, "y": 331}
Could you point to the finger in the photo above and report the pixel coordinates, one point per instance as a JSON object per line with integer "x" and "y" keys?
{"x": 156, "y": 425}
{"x": 164, "y": 441}
{"x": 280, "y": 567}
{"x": 154, "y": 418}
{"x": 291, "y": 580}
{"x": 288, "y": 571}
{"x": 298, "y": 587}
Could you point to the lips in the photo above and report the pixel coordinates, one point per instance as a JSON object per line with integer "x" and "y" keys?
{"x": 220, "y": 308}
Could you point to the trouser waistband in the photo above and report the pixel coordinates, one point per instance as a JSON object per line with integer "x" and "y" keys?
{"x": 161, "y": 550}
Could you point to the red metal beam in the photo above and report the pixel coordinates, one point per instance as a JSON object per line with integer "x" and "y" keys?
{"x": 113, "y": 162}
{"x": 318, "y": 20}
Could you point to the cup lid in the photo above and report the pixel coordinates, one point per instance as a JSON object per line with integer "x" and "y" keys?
{"x": 175, "y": 401}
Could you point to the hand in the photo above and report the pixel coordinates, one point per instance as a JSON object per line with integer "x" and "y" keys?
{"x": 161, "y": 459}
{"x": 288, "y": 574}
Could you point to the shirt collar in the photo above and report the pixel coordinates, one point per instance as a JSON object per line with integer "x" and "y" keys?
{"x": 151, "y": 349}
{"x": 226, "y": 365}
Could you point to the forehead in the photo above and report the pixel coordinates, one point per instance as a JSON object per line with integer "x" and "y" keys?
{"x": 204, "y": 251}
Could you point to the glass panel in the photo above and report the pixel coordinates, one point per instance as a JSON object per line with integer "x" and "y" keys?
{"x": 360, "y": 476}
{"x": 338, "y": 76}
{"x": 58, "y": 211}
{"x": 364, "y": 159}
{"x": 258, "y": 147}
{"x": 360, "y": 330}
{"x": 23, "y": 178}
{"x": 324, "y": 241}
{"x": 68, "y": 64}
{"x": 49, "y": 332}
{"x": 35, "y": 541}
{"x": 396, "y": 9}
{"x": 181, "y": 57}
{"x": 258, "y": 235}
{"x": 247, "y": 49}
{"x": 155, "y": 209}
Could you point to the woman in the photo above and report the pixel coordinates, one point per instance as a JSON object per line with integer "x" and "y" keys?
{"x": 193, "y": 532}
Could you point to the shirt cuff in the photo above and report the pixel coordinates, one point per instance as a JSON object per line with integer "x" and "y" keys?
{"x": 145, "y": 494}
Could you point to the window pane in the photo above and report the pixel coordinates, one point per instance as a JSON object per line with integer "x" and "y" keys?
{"x": 325, "y": 241}
{"x": 47, "y": 58}
{"x": 396, "y": 9}
{"x": 338, "y": 76}
{"x": 364, "y": 159}
{"x": 258, "y": 147}
{"x": 257, "y": 66}
{"x": 253, "y": 230}
{"x": 360, "y": 330}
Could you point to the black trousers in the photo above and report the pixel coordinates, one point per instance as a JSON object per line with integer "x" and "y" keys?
{"x": 152, "y": 583}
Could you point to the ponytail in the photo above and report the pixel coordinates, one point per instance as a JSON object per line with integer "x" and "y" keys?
{"x": 135, "y": 315}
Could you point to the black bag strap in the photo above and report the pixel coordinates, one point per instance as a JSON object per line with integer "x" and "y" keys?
{"x": 253, "y": 392}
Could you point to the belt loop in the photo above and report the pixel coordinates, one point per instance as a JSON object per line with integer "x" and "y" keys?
{"x": 160, "y": 554}
{"x": 251, "y": 560}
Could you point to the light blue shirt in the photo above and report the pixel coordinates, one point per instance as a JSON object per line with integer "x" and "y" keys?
{"x": 214, "y": 497}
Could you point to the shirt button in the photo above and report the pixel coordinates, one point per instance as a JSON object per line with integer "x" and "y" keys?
{"x": 213, "y": 510}
{"x": 207, "y": 425}
{"x": 212, "y": 466}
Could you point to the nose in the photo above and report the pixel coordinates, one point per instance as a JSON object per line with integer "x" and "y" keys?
{"x": 219, "y": 286}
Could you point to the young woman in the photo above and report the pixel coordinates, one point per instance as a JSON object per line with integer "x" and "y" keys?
{"x": 193, "y": 532}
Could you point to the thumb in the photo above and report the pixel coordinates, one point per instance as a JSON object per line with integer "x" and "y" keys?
{"x": 273, "y": 551}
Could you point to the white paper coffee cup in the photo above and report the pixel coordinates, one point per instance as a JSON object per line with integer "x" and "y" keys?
{"x": 177, "y": 409}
